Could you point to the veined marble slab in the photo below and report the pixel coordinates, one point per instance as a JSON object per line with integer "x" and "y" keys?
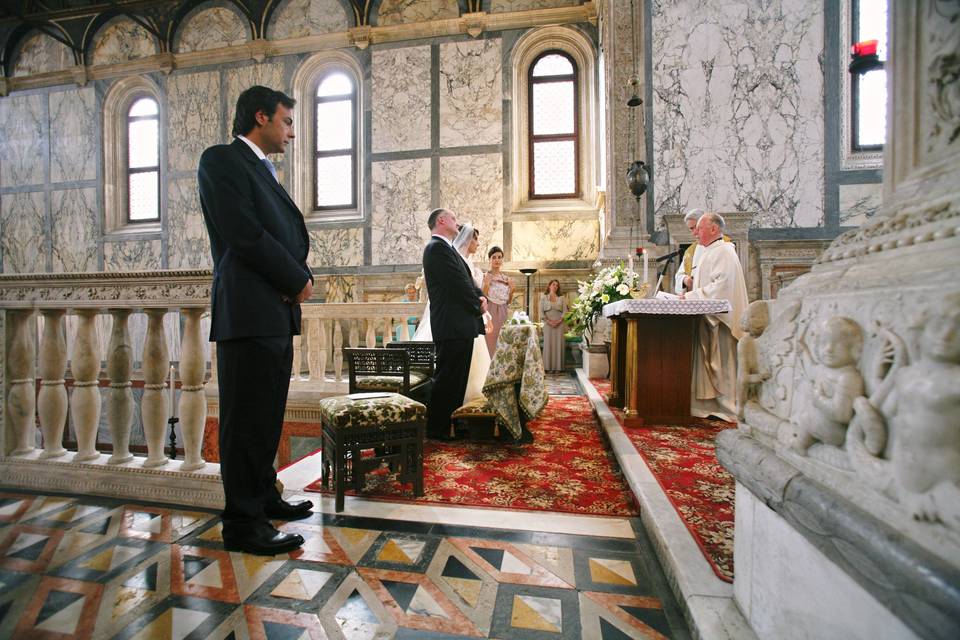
{"x": 556, "y": 239}
{"x": 188, "y": 246}
{"x": 122, "y": 40}
{"x": 193, "y": 116}
{"x": 239, "y": 79}
{"x": 132, "y": 255}
{"x": 41, "y": 54}
{"x": 472, "y": 187}
{"x": 21, "y": 121}
{"x": 401, "y": 99}
{"x": 859, "y": 203}
{"x": 212, "y": 28}
{"x": 336, "y": 247}
{"x": 298, "y": 18}
{"x": 471, "y": 94}
{"x": 22, "y": 232}
{"x": 75, "y": 230}
{"x": 72, "y": 135}
{"x": 401, "y": 204}
{"x": 405, "y": 11}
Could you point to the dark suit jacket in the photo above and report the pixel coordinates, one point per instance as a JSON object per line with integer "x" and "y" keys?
{"x": 259, "y": 245}
{"x": 454, "y": 298}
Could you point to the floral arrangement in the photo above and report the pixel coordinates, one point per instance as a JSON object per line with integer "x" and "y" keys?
{"x": 519, "y": 317}
{"x": 610, "y": 285}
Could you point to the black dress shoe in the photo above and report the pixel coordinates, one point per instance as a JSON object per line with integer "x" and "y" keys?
{"x": 263, "y": 541}
{"x": 283, "y": 510}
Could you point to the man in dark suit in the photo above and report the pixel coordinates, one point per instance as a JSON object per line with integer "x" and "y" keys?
{"x": 456, "y": 318}
{"x": 260, "y": 276}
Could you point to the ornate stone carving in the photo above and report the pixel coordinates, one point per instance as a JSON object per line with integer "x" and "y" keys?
{"x": 749, "y": 372}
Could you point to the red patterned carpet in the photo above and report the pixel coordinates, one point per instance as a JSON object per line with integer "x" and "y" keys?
{"x": 684, "y": 461}
{"x": 568, "y": 468}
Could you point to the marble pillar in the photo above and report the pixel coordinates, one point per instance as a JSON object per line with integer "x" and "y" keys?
{"x": 20, "y": 366}
{"x": 85, "y": 401}
{"x": 153, "y": 406}
{"x": 193, "y": 404}
{"x": 120, "y": 398}
{"x": 52, "y": 399}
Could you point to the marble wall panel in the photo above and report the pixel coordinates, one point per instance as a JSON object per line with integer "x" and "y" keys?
{"x": 41, "y": 54}
{"x": 21, "y": 144}
{"x": 298, "y": 18}
{"x": 212, "y": 28}
{"x": 859, "y": 203}
{"x": 499, "y": 6}
{"x": 336, "y": 247}
{"x": 555, "y": 240}
{"x": 132, "y": 255}
{"x": 401, "y": 99}
{"x": 239, "y": 79}
{"x": 401, "y": 204}
{"x": 122, "y": 40}
{"x": 22, "y": 232}
{"x": 471, "y": 93}
{"x": 193, "y": 114}
{"x": 188, "y": 246}
{"x": 738, "y": 109}
{"x": 74, "y": 230}
{"x": 73, "y": 133}
{"x": 405, "y": 11}
{"x": 472, "y": 187}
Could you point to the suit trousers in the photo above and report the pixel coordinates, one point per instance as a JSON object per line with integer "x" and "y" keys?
{"x": 449, "y": 384}
{"x": 254, "y": 377}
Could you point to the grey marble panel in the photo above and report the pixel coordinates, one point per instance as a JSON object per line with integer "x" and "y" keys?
{"x": 859, "y": 202}
{"x": 401, "y": 99}
{"x": 471, "y": 94}
{"x": 212, "y": 28}
{"x": 21, "y": 144}
{"x": 132, "y": 255}
{"x": 122, "y": 40}
{"x": 42, "y": 54}
{"x": 72, "y": 135}
{"x": 500, "y": 6}
{"x": 401, "y": 204}
{"x": 472, "y": 187}
{"x": 298, "y": 18}
{"x": 336, "y": 247}
{"x": 239, "y": 79}
{"x": 74, "y": 230}
{"x": 405, "y": 11}
{"x": 738, "y": 109}
{"x": 22, "y": 232}
{"x": 193, "y": 113}
{"x": 556, "y": 240}
{"x": 188, "y": 246}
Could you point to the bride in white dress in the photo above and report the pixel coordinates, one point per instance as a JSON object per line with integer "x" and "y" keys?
{"x": 466, "y": 244}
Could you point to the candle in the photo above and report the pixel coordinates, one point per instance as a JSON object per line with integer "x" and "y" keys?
{"x": 630, "y": 264}
{"x": 644, "y": 265}
{"x": 171, "y": 395}
{"x": 865, "y": 48}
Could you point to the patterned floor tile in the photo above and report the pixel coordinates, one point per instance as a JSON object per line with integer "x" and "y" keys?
{"x": 28, "y": 548}
{"x": 611, "y": 572}
{"x": 105, "y": 561}
{"x": 507, "y": 563}
{"x": 178, "y": 617}
{"x": 299, "y": 586}
{"x": 61, "y": 607}
{"x": 134, "y": 592}
{"x": 609, "y": 615}
{"x": 401, "y": 551}
{"x": 12, "y": 506}
{"x": 465, "y": 584}
{"x": 320, "y": 544}
{"x": 535, "y": 612}
{"x": 355, "y": 612}
{"x": 278, "y": 624}
{"x": 202, "y": 573}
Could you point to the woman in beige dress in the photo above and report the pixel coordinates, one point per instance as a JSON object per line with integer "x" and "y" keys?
{"x": 552, "y": 307}
{"x": 498, "y": 289}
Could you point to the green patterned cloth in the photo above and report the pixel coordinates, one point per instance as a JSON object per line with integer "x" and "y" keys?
{"x": 517, "y": 359}
{"x": 376, "y": 410}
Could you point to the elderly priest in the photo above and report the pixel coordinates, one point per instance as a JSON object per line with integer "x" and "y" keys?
{"x": 717, "y": 275}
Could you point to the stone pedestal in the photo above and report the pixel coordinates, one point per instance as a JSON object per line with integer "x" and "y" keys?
{"x": 595, "y": 363}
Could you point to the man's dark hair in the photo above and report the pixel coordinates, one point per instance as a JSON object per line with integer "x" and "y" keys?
{"x": 432, "y": 218}
{"x": 494, "y": 249}
{"x": 257, "y": 99}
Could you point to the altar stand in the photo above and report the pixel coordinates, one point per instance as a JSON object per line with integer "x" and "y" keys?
{"x": 651, "y": 357}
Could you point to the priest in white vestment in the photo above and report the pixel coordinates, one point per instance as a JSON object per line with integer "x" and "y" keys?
{"x": 717, "y": 275}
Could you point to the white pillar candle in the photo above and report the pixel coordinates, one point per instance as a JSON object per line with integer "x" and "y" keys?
{"x": 171, "y": 395}
{"x": 644, "y": 265}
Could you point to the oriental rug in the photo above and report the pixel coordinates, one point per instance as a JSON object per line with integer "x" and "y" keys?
{"x": 684, "y": 461}
{"x": 567, "y": 468}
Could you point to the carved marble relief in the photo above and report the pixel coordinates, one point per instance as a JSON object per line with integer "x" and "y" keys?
{"x": 336, "y": 247}
{"x": 298, "y": 18}
{"x": 193, "y": 113}
{"x": 75, "y": 230}
{"x": 21, "y": 145}
{"x": 22, "y": 232}
{"x": 738, "y": 109}
{"x": 212, "y": 28}
{"x": 122, "y": 40}
{"x": 499, "y": 6}
{"x": 72, "y": 135}
{"x": 41, "y": 54}
{"x": 941, "y": 71}
{"x": 401, "y": 85}
{"x": 133, "y": 255}
{"x": 859, "y": 203}
{"x": 188, "y": 246}
{"x": 472, "y": 187}
{"x": 471, "y": 94}
{"x": 401, "y": 203}
{"x": 406, "y": 11}
{"x": 239, "y": 79}
{"x": 555, "y": 240}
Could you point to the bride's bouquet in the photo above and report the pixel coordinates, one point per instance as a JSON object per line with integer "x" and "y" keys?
{"x": 610, "y": 285}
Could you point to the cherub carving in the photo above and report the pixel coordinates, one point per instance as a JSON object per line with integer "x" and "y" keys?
{"x": 835, "y": 384}
{"x": 749, "y": 373}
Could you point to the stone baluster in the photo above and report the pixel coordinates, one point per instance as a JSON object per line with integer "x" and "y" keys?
{"x": 85, "y": 403}
{"x": 312, "y": 329}
{"x": 337, "y": 351}
{"x": 120, "y": 400}
{"x": 21, "y": 385}
{"x": 321, "y": 350}
{"x": 371, "y": 336}
{"x": 52, "y": 401}
{"x": 297, "y": 363}
{"x": 193, "y": 402}
{"x": 354, "y": 333}
{"x": 213, "y": 363}
{"x": 156, "y": 358}
{"x": 404, "y": 330}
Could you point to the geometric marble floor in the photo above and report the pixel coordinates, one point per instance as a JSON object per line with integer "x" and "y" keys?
{"x": 78, "y": 567}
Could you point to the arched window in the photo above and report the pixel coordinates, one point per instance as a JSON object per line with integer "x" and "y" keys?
{"x": 143, "y": 160}
{"x": 554, "y": 132}
{"x": 869, "y": 90}
{"x": 335, "y": 142}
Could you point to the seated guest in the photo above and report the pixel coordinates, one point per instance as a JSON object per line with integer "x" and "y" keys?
{"x": 498, "y": 288}
{"x": 717, "y": 276}
{"x": 552, "y": 307}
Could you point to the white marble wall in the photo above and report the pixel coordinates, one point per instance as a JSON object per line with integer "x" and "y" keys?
{"x": 41, "y": 54}
{"x": 132, "y": 255}
{"x": 122, "y": 40}
{"x": 401, "y": 99}
{"x": 556, "y": 239}
{"x": 22, "y": 232}
{"x": 471, "y": 93}
{"x": 212, "y": 28}
{"x": 859, "y": 203}
{"x": 298, "y": 18}
{"x": 472, "y": 187}
{"x": 738, "y": 108}
{"x": 239, "y": 79}
{"x": 193, "y": 117}
{"x": 73, "y": 131}
{"x": 404, "y": 11}
{"x": 336, "y": 247}
{"x": 75, "y": 231}
{"x": 21, "y": 144}
{"x": 188, "y": 246}
{"x": 400, "y": 206}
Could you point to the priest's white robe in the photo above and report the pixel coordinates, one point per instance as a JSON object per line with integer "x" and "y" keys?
{"x": 717, "y": 275}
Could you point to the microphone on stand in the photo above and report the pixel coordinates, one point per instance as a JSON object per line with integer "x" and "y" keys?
{"x": 669, "y": 256}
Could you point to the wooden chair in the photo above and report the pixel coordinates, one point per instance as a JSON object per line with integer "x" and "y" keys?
{"x": 385, "y": 370}
{"x": 423, "y": 355}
